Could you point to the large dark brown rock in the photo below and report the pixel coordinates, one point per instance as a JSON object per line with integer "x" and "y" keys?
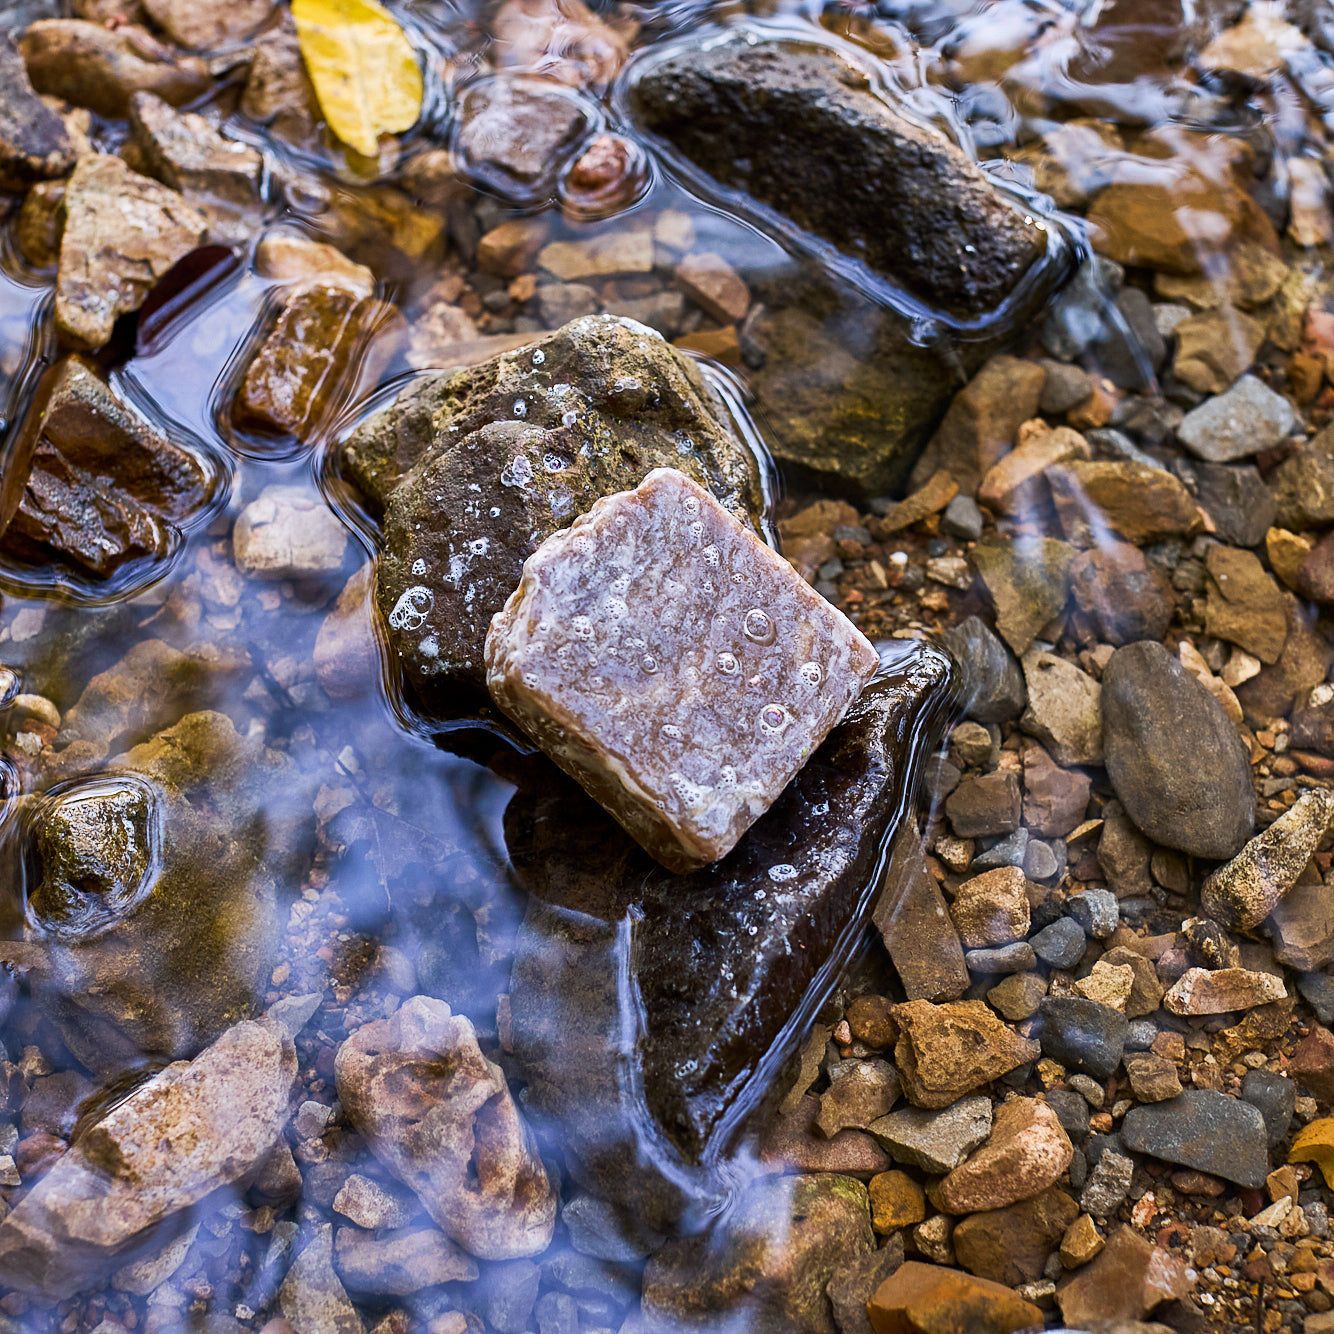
{"x": 89, "y": 480}
{"x": 516, "y": 448}
{"x": 34, "y": 144}
{"x": 797, "y": 127}
{"x": 1174, "y": 758}
{"x": 651, "y": 1012}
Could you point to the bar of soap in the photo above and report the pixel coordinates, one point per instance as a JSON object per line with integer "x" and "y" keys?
{"x": 674, "y": 665}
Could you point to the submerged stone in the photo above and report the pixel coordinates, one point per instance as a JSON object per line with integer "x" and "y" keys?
{"x": 191, "y": 1129}
{"x": 473, "y": 469}
{"x": 153, "y": 892}
{"x": 302, "y": 371}
{"x": 799, "y": 128}
{"x": 674, "y": 665}
{"x": 652, "y": 1013}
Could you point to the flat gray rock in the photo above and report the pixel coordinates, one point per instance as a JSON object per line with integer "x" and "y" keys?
{"x": 935, "y": 1141}
{"x": 1205, "y": 1130}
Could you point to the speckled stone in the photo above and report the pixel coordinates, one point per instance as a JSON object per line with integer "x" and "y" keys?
{"x": 674, "y": 665}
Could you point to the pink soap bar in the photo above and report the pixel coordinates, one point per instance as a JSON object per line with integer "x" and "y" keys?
{"x": 676, "y": 666}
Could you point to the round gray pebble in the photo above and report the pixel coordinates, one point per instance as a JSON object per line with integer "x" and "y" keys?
{"x": 1096, "y": 910}
{"x": 1140, "y": 1035}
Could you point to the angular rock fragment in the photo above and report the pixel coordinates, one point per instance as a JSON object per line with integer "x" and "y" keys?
{"x": 301, "y": 373}
{"x": 772, "y": 1261}
{"x": 191, "y": 1129}
{"x": 122, "y": 233}
{"x": 919, "y": 1297}
{"x": 794, "y": 127}
{"x": 676, "y": 666}
{"x": 1174, "y": 758}
{"x": 505, "y": 454}
{"x": 71, "y": 512}
{"x": 915, "y": 925}
{"x": 34, "y": 143}
{"x": 439, "y": 1116}
{"x": 397, "y": 1262}
{"x": 1026, "y": 1152}
{"x": 936, "y": 1141}
{"x": 1203, "y": 1129}
{"x": 101, "y": 68}
{"x": 1247, "y": 889}
{"x": 1201, "y": 991}
{"x": 185, "y": 151}
{"x": 945, "y": 1051}
{"x": 676, "y": 1086}
{"x": 288, "y": 532}
{"x": 311, "y": 1297}
{"x": 1127, "y": 1280}
{"x": 1012, "y": 1245}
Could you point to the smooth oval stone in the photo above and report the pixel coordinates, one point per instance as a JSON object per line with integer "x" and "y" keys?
{"x": 1174, "y": 758}
{"x": 652, "y": 1013}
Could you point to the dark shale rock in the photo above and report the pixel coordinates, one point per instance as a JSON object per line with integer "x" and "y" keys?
{"x": 1174, "y": 758}
{"x": 797, "y": 127}
{"x": 726, "y": 965}
{"x": 1205, "y": 1130}
{"x": 1082, "y": 1034}
{"x": 34, "y": 144}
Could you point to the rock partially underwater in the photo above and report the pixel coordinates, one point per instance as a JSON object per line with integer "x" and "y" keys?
{"x": 651, "y": 1012}
{"x": 472, "y": 469}
{"x": 151, "y": 892}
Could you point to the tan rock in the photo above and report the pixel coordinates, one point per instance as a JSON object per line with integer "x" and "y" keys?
{"x": 1310, "y": 221}
{"x": 1139, "y": 503}
{"x": 207, "y": 23}
{"x": 1026, "y": 1152}
{"x": 673, "y": 664}
{"x": 1286, "y": 552}
{"x": 439, "y": 1116}
{"x": 930, "y": 498}
{"x": 122, "y": 233}
{"x": 1242, "y": 893}
{"x": 945, "y": 1051}
{"x": 193, "y": 1128}
{"x": 1201, "y": 991}
{"x": 602, "y": 256}
{"x": 347, "y": 651}
{"x": 289, "y": 258}
{"x": 1012, "y": 486}
{"x": 1215, "y": 348}
{"x": 1081, "y": 1242}
{"x": 1244, "y": 605}
{"x": 101, "y": 68}
{"x": 1108, "y": 984}
{"x": 992, "y": 908}
{"x": 1012, "y": 1245}
{"x": 288, "y": 532}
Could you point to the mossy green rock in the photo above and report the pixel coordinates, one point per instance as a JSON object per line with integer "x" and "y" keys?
{"x": 167, "y": 937}
{"x": 516, "y": 449}
{"x": 774, "y": 1256}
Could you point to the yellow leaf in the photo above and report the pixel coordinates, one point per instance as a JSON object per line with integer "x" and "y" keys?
{"x": 363, "y": 67}
{"x": 1315, "y": 1144}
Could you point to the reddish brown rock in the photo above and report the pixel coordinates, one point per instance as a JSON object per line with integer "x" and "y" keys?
{"x": 1026, "y": 1152}
{"x": 674, "y": 665}
{"x": 1201, "y": 991}
{"x": 1315, "y": 575}
{"x": 1011, "y": 1245}
{"x": 923, "y": 1299}
{"x": 302, "y": 372}
{"x": 984, "y": 806}
{"x": 1126, "y": 1280}
{"x": 1138, "y": 503}
{"x": 101, "y": 68}
{"x": 920, "y": 938}
{"x": 1312, "y": 1063}
{"x": 715, "y": 286}
{"x": 1055, "y": 799}
{"x": 1121, "y": 598}
{"x": 944, "y": 1051}
{"x": 278, "y": 92}
{"x": 439, "y": 1116}
{"x": 122, "y": 233}
{"x": 795, "y": 1142}
{"x": 1015, "y": 484}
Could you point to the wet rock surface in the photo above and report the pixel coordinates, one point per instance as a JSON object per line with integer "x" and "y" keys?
{"x": 122, "y": 232}
{"x": 542, "y": 434}
{"x": 701, "y": 1034}
{"x": 737, "y": 110}
{"x": 597, "y": 656}
{"x": 196, "y": 1126}
{"x": 439, "y": 1115}
{"x": 34, "y": 144}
